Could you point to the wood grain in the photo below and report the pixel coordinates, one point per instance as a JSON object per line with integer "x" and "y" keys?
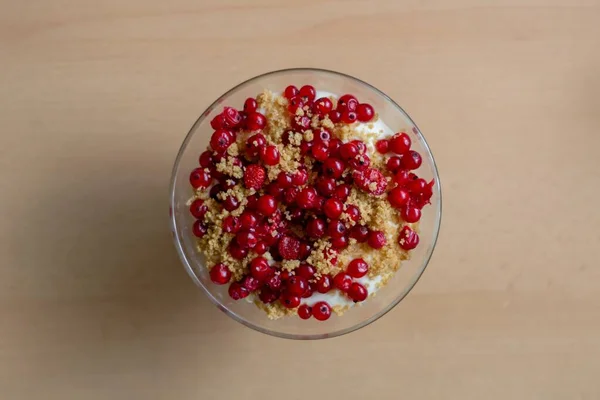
{"x": 95, "y": 100}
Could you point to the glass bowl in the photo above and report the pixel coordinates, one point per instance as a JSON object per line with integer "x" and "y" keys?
{"x": 248, "y": 314}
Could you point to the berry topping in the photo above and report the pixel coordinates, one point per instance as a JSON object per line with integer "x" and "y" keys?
{"x": 198, "y": 209}
{"x": 342, "y": 281}
{"x": 382, "y": 146}
{"x": 199, "y": 229}
{"x": 297, "y": 285}
{"x": 237, "y": 291}
{"x": 324, "y": 284}
{"x": 255, "y": 121}
{"x": 290, "y": 300}
{"x": 260, "y": 269}
{"x": 365, "y": 112}
{"x": 200, "y": 178}
{"x": 376, "y": 239}
{"x": 266, "y": 205}
{"x": 270, "y": 155}
{"x": 400, "y": 143}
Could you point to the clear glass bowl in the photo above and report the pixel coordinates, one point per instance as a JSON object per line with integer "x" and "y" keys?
{"x": 247, "y": 313}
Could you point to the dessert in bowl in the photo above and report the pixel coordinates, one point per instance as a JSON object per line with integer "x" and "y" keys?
{"x": 305, "y": 203}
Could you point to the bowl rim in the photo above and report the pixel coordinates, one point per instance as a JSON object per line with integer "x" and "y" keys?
{"x": 179, "y": 242}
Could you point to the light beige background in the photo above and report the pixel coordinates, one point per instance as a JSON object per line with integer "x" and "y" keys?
{"x": 96, "y": 97}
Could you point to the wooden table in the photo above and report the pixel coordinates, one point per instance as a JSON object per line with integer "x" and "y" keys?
{"x": 96, "y": 97}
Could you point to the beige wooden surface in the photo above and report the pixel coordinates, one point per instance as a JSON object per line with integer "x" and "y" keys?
{"x": 96, "y": 96}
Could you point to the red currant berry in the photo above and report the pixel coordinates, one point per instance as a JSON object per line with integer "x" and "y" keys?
{"x": 200, "y": 178}
{"x": 219, "y": 122}
{"x": 284, "y": 180}
{"x": 358, "y": 292}
{"x": 198, "y": 209}
{"x": 360, "y": 233}
{"x": 336, "y": 229}
{"x": 304, "y": 311}
{"x": 248, "y": 220}
{"x": 300, "y": 177}
{"x": 400, "y": 143}
{"x": 334, "y": 147}
{"x": 270, "y": 155}
{"x": 333, "y": 208}
{"x": 295, "y": 103}
{"x": 260, "y": 268}
{"x": 237, "y": 291}
{"x": 353, "y": 212}
{"x": 333, "y": 168}
{"x": 398, "y": 197}
{"x": 402, "y": 177}
{"x": 297, "y": 285}
{"x": 237, "y": 251}
{"x": 231, "y": 224}
{"x": 206, "y": 159}
{"x": 307, "y": 198}
{"x": 411, "y": 160}
{"x": 320, "y": 152}
{"x": 348, "y": 151}
{"x": 325, "y": 186}
{"x": 382, "y": 146}
{"x": 393, "y": 163}
{"x": 347, "y": 102}
{"x": 220, "y": 274}
{"x": 290, "y": 92}
{"x": 308, "y": 93}
{"x": 360, "y": 162}
{"x": 231, "y": 203}
{"x": 357, "y": 268}
{"x": 315, "y": 228}
{"x": 233, "y": 118}
{"x": 306, "y": 271}
{"x": 301, "y": 123}
{"x": 335, "y": 116}
{"x": 324, "y": 284}
{"x": 339, "y": 243}
{"x": 322, "y": 106}
{"x": 268, "y": 295}
{"x": 290, "y": 194}
{"x": 254, "y": 144}
{"x": 321, "y": 311}
{"x": 342, "y": 192}
{"x": 376, "y": 239}
{"x": 349, "y": 117}
{"x": 261, "y": 248}
{"x": 246, "y": 239}
{"x": 289, "y": 300}
{"x": 250, "y": 105}
{"x": 255, "y": 121}
{"x": 199, "y": 229}
{"x": 410, "y": 214}
{"x": 365, "y": 112}
{"x": 408, "y": 239}
{"x": 250, "y": 283}
{"x": 342, "y": 281}
{"x": 266, "y": 205}
{"x": 274, "y": 282}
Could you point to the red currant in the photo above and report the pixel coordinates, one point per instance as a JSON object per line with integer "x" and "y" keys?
{"x": 260, "y": 268}
{"x": 353, "y": 212}
{"x": 255, "y": 121}
{"x": 357, "y": 268}
{"x": 308, "y": 93}
{"x": 376, "y": 239}
{"x": 336, "y": 228}
{"x": 349, "y": 117}
{"x": 398, "y": 197}
{"x": 393, "y": 163}
{"x": 411, "y": 160}
{"x": 220, "y": 274}
{"x": 325, "y": 186}
{"x": 410, "y": 214}
{"x": 400, "y": 143}
{"x": 333, "y": 168}
{"x": 306, "y": 271}
{"x": 324, "y": 284}
{"x": 360, "y": 233}
{"x": 289, "y": 300}
{"x": 250, "y": 105}
{"x": 335, "y": 116}
{"x": 270, "y": 155}
{"x": 236, "y": 251}
{"x": 315, "y": 228}
{"x": 255, "y": 143}
{"x": 365, "y": 112}
{"x": 347, "y": 102}
{"x": 206, "y": 159}
{"x": 320, "y": 151}
{"x": 290, "y": 92}
{"x": 231, "y": 224}
{"x": 297, "y": 285}
{"x": 199, "y": 229}
{"x": 307, "y": 198}
{"x": 266, "y": 204}
{"x": 358, "y": 292}
{"x": 382, "y": 146}
{"x": 348, "y": 151}
{"x": 342, "y": 281}
{"x": 231, "y": 203}
{"x": 200, "y": 178}
{"x": 237, "y": 291}
{"x": 408, "y": 239}
{"x": 198, "y": 209}
{"x": 304, "y": 311}
{"x": 322, "y": 106}
{"x": 300, "y": 177}
{"x": 268, "y": 295}
{"x": 339, "y": 242}
{"x": 246, "y": 239}
{"x": 333, "y": 208}
{"x": 342, "y": 192}
{"x": 321, "y": 311}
